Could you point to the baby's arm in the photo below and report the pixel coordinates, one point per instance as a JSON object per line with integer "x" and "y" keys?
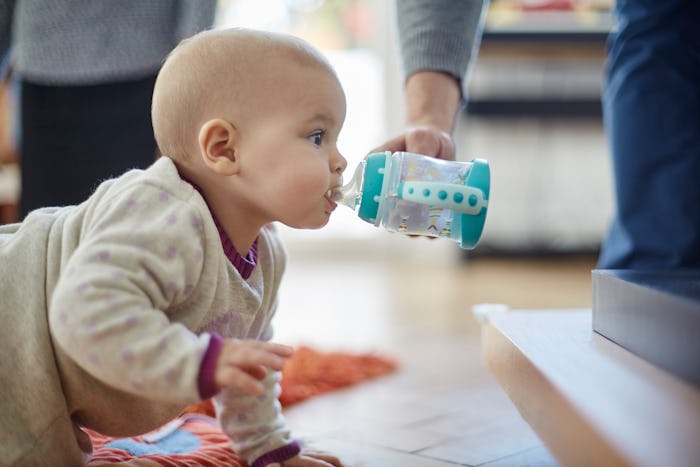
{"x": 241, "y": 364}
{"x": 248, "y": 408}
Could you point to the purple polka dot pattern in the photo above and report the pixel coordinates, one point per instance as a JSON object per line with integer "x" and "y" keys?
{"x": 172, "y": 288}
{"x": 171, "y": 252}
{"x": 162, "y": 256}
{"x": 228, "y": 324}
{"x": 90, "y": 329}
{"x": 127, "y": 355}
{"x": 132, "y": 320}
{"x": 170, "y": 376}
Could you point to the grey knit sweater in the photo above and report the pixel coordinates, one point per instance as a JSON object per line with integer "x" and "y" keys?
{"x": 439, "y": 35}
{"x": 75, "y": 42}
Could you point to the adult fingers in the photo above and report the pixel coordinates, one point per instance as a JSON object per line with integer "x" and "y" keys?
{"x": 431, "y": 142}
{"x": 397, "y": 143}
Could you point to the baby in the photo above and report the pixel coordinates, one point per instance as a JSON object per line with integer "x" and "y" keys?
{"x": 158, "y": 291}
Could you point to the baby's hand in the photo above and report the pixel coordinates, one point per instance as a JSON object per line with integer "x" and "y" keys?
{"x": 241, "y": 363}
{"x": 310, "y": 459}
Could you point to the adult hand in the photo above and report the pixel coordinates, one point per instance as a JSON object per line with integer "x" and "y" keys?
{"x": 422, "y": 139}
{"x": 432, "y": 103}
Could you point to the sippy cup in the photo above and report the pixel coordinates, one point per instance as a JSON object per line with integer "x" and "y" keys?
{"x": 420, "y": 195}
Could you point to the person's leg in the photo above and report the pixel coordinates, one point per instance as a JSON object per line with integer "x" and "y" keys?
{"x": 652, "y": 119}
{"x": 74, "y": 137}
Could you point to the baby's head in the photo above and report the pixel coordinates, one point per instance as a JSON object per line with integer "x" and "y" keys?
{"x": 253, "y": 118}
{"x": 229, "y": 74}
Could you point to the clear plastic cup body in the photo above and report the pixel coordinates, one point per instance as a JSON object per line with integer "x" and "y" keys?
{"x": 415, "y": 194}
{"x": 418, "y": 215}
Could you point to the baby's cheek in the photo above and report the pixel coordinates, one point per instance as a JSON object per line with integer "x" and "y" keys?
{"x": 310, "y": 186}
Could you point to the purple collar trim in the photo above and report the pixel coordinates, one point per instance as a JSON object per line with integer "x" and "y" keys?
{"x": 243, "y": 264}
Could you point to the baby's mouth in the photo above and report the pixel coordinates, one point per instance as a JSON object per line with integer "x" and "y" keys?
{"x": 329, "y": 198}
{"x": 334, "y": 194}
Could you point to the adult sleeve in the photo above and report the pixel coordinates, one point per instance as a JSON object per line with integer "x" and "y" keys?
{"x": 439, "y": 35}
{"x": 193, "y": 17}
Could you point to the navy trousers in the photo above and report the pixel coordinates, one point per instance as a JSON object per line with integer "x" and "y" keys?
{"x": 74, "y": 137}
{"x": 651, "y": 109}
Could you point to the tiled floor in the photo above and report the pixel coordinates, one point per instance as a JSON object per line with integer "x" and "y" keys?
{"x": 442, "y": 407}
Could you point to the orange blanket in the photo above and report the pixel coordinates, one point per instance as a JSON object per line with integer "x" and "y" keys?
{"x": 194, "y": 438}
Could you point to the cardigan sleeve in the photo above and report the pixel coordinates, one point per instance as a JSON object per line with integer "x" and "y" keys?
{"x": 140, "y": 255}
{"x": 255, "y": 424}
{"x": 439, "y": 35}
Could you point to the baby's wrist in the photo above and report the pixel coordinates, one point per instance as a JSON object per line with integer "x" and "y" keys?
{"x": 206, "y": 380}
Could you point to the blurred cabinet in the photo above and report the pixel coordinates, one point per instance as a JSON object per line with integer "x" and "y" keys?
{"x": 534, "y": 112}
{"x": 540, "y": 62}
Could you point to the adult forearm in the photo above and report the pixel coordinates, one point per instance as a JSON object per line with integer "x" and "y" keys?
{"x": 432, "y": 99}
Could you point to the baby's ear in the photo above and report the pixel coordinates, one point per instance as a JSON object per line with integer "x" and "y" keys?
{"x": 217, "y": 143}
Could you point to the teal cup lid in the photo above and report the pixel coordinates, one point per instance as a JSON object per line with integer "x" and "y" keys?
{"x": 473, "y": 225}
{"x": 373, "y": 179}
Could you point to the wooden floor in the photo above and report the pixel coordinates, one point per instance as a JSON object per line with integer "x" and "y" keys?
{"x": 442, "y": 407}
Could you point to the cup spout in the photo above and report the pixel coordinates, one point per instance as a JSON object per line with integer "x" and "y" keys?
{"x": 350, "y": 194}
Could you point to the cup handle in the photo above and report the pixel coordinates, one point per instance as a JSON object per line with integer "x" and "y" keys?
{"x": 458, "y": 198}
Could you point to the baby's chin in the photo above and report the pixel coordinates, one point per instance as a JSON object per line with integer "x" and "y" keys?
{"x": 310, "y": 225}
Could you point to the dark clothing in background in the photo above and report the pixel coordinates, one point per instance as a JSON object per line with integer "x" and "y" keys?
{"x": 78, "y": 136}
{"x": 652, "y": 119}
{"x": 86, "y": 70}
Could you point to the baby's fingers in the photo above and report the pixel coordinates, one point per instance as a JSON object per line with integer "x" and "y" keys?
{"x": 258, "y": 372}
{"x": 235, "y": 377}
{"x": 251, "y": 354}
{"x": 278, "y": 349}
{"x": 264, "y": 354}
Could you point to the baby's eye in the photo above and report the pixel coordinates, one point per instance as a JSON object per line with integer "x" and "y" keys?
{"x": 317, "y": 137}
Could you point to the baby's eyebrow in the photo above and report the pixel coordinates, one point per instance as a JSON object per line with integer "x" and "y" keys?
{"x": 322, "y": 118}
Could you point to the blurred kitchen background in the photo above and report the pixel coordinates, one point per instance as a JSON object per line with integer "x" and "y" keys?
{"x": 534, "y": 114}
